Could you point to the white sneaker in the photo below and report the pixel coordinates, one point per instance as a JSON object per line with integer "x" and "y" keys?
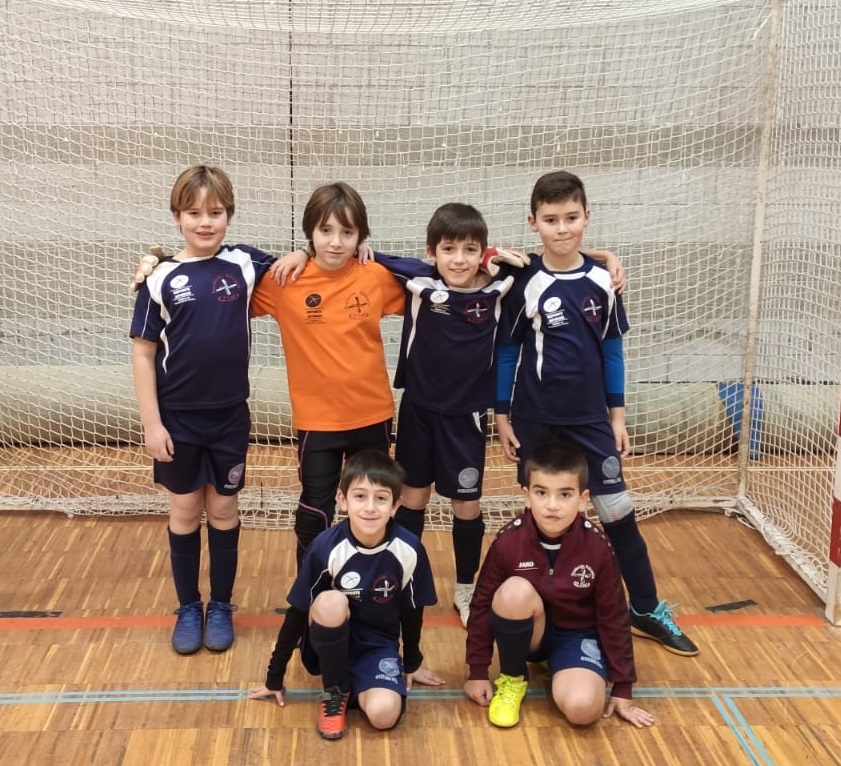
{"x": 462, "y": 594}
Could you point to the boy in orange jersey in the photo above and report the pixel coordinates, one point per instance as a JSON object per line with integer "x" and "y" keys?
{"x": 329, "y": 320}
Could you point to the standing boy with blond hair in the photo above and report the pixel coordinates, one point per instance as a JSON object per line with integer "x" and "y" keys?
{"x": 192, "y": 342}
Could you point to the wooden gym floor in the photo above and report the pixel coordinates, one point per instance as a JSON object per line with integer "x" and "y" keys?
{"x": 88, "y": 676}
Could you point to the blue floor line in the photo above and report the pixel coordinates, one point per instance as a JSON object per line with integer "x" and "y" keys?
{"x": 427, "y": 693}
{"x": 723, "y": 698}
{"x": 746, "y": 740}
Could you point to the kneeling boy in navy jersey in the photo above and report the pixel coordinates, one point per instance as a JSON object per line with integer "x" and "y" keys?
{"x": 362, "y": 586}
{"x": 550, "y": 589}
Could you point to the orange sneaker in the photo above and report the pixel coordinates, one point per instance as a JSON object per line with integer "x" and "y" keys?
{"x": 332, "y": 713}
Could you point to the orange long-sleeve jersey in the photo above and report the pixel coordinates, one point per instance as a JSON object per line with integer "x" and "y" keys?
{"x": 330, "y": 329}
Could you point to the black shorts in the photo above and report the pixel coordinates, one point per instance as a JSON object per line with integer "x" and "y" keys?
{"x": 595, "y": 439}
{"x": 441, "y": 449}
{"x": 321, "y": 455}
{"x": 210, "y": 448}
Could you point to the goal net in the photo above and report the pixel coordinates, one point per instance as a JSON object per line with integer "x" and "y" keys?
{"x": 706, "y": 132}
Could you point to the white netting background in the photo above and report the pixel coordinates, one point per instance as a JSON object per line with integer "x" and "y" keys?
{"x": 706, "y": 133}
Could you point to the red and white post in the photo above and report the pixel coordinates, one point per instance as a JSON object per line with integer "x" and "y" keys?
{"x": 833, "y": 591}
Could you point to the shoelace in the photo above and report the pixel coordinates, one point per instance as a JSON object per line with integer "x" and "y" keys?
{"x": 665, "y": 613}
{"x": 333, "y": 704}
{"x": 507, "y": 691}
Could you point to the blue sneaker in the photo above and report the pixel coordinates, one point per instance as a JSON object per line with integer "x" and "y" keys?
{"x": 660, "y": 625}
{"x": 219, "y": 628}
{"x": 186, "y": 638}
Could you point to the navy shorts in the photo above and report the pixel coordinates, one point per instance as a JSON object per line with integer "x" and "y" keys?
{"x": 596, "y": 440}
{"x": 445, "y": 450}
{"x": 375, "y": 668}
{"x": 210, "y": 448}
{"x": 564, "y": 649}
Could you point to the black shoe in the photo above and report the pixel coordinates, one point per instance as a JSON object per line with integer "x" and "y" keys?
{"x": 660, "y": 625}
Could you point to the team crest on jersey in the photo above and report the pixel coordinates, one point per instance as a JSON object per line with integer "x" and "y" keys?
{"x": 383, "y": 589}
{"x": 225, "y": 288}
{"x": 312, "y": 300}
{"x": 583, "y": 576}
{"x": 438, "y": 296}
{"x": 477, "y": 312}
{"x": 357, "y": 305}
{"x": 551, "y": 305}
{"x": 592, "y": 309}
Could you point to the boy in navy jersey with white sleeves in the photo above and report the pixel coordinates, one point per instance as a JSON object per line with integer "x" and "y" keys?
{"x": 561, "y": 337}
{"x": 550, "y": 589}
{"x": 361, "y": 589}
{"x": 191, "y": 347}
{"x": 446, "y": 368}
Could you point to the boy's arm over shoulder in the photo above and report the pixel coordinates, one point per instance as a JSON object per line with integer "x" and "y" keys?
{"x": 404, "y": 267}
{"x": 392, "y": 292}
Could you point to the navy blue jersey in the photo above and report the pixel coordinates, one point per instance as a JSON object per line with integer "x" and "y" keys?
{"x": 197, "y": 311}
{"x": 379, "y": 582}
{"x": 446, "y": 361}
{"x": 560, "y": 321}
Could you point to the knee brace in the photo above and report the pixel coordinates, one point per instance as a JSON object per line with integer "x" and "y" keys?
{"x": 612, "y": 508}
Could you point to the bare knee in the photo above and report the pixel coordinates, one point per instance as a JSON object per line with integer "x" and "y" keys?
{"x": 330, "y": 609}
{"x": 580, "y": 695}
{"x": 382, "y": 707}
{"x": 516, "y": 599}
{"x": 580, "y": 710}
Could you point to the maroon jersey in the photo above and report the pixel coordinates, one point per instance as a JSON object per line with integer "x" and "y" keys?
{"x": 582, "y": 590}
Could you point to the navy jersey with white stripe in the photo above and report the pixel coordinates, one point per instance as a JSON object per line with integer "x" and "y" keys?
{"x": 560, "y": 321}
{"x": 446, "y": 361}
{"x": 379, "y": 582}
{"x": 197, "y": 311}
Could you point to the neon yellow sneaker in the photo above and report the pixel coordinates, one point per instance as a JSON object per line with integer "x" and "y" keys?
{"x": 504, "y": 710}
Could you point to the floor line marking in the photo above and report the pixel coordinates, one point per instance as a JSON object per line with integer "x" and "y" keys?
{"x": 261, "y": 620}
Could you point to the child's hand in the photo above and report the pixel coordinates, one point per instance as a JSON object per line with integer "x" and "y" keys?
{"x": 630, "y": 712}
{"x": 620, "y": 431}
{"x": 425, "y": 677}
{"x": 493, "y": 256}
{"x": 262, "y": 693}
{"x": 616, "y": 270}
{"x": 364, "y": 253}
{"x": 480, "y": 691}
{"x": 289, "y": 266}
{"x": 614, "y": 267}
{"x": 146, "y": 266}
{"x": 507, "y": 438}
{"x": 159, "y": 445}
